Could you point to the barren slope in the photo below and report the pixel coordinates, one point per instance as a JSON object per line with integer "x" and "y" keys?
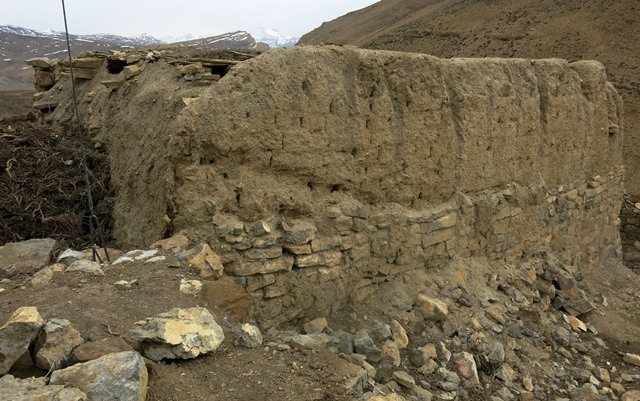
{"x": 571, "y": 29}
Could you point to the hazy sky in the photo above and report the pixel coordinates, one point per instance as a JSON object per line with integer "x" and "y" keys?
{"x": 162, "y": 18}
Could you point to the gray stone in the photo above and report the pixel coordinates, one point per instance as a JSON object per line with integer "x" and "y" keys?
{"x": 466, "y": 366}
{"x": 177, "y": 334}
{"x": 404, "y": 379}
{"x": 247, "y": 336}
{"x": 26, "y": 257}
{"x": 363, "y": 344}
{"x": 379, "y": 332}
{"x": 122, "y": 376}
{"x": 315, "y": 326}
{"x": 42, "y": 278}
{"x": 55, "y": 343}
{"x": 399, "y": 335}
{"x": 631, "y": 395}
{"x": 85, "y": 266}
{"x": 36, "y": 389}
{"x": 421, "y": 394}
{"x": 17, "y": 334}
{"x": 299, "y": 232}
{"x": 264, "y": 253}
{"x": 40, "y": 62}
{"x": 250, "y": 267}
{"x": 261, "y": 227}
{"x": 632, "y": 359}
{"x": 69, "y": 256}
{"x": 495, "y": 352}
{"x": 418, "y": 357}
{"x": 314, "y": 341}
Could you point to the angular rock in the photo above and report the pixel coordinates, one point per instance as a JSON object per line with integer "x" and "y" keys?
{"x": 466, "y": 366}
{"x": 131, "y": 71}
{"x": 431, "y": 308}
{"x": 177, "y": 334}
{"x": 248, "y": 336}
{"x": 261, "y": 227}
{"x": 179, "y": 241}
{"x": 42, "y": 278}
{"x": 86, "y": 266}
{"x": 325, "y": 258}
{"x": 379, "y": 332}
{"x": 54, "y": 344}
{"x": 122, "y": 376}
{"x": 96, "y": 349}
{"x": 231, "y": 298}
{"x": 299, "y": 232}
{"x": 314, "y": 341}
{"x": 25, "y": 257}
{"x": 315, "y": 326}
{"x": 390, "y": 349}
{"x": 40, "y": 62}
{"x": 36, "y": 389}
{"x": 251, "y": 267}
{"x": 364, "y": 345}
{"x": 17, "y": 334}
{"x": 399, "y": 335}
{"x": 418, "y": 357}
{"x": 404, "y": 379}
{"x": 632, "y": 359}
{"x": 631, "y": 395}
{"x": 207, "y": 262}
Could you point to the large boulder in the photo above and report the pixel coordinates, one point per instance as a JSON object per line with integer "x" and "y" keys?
{"x": 17, "y": 334}
{"x": 25, "y": 257}
{"x": 177, "y": 334}
{"x": 122, "y": 376}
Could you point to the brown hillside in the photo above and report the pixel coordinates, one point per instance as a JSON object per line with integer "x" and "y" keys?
{"x": 571, "y": 29}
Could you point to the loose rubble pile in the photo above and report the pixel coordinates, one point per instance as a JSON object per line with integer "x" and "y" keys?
{"x": 521, "y": 332}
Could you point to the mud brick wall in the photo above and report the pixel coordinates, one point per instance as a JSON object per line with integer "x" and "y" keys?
{"x": 319, "y": 172}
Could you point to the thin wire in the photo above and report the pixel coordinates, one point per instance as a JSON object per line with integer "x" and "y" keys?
{"x": 93, "y": 219}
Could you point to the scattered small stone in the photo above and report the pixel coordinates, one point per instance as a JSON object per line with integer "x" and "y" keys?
{"x": 631, "y": 395}
{"x": 191, "y": 287}
{"x": 632, "y": 359}
{"x": 399, "y": 335}
{"x": 247, "y": 336}
{"x": 85, "y": 266}
{"x": 32, "y": 388}
{"x": 431, "y": 308}
{"x": 404, "y": 379}
{"x": 363, "y": 344}
{"x": 466, "y": 367}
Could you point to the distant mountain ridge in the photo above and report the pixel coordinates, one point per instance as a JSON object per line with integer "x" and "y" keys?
{"x": 138, "y": 40}
{"x": 18, "y": 44}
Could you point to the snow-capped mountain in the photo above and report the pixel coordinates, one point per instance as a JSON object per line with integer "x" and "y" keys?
{"x": 274, "y": 38}
{"x": 237, "y": 39}
{"x": 139, "y": 40}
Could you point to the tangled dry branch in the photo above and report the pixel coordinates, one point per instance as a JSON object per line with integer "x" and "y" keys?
{"x": 42, "y": 185}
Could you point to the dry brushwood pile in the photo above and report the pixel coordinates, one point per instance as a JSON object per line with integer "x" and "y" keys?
{"x": 43, "y": 184}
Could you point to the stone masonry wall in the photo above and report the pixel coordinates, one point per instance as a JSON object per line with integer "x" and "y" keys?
{"x": 316, "y": 173}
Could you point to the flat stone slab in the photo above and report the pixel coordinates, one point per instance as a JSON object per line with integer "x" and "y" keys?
{"x": 26, "y": 257}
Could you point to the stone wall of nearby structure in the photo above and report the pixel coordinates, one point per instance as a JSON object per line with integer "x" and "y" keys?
{"x": 318, "y": 172}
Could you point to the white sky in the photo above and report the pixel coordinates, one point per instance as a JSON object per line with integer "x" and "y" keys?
{"x": 161, "y": 18}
